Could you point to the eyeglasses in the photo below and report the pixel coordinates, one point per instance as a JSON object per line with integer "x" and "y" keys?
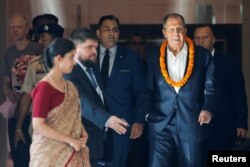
{"x": 108, "y": 30}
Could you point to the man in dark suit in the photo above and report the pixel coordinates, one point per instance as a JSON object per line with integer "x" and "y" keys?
{"x": 123, "y": 85}
{"x": 180, "y": 96}
{"x": 94, "y": 116}
{"x": 139, "y": 151}
{"x": 230, "y": 120}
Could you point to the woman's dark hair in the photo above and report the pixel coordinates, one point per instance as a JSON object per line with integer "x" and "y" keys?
{"x": 59, "y": 46}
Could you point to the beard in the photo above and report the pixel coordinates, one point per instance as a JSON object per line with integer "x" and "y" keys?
{"x": 88, "y": 63}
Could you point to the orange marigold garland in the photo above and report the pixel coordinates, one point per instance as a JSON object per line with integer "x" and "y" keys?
{"x": 190, "y": 67}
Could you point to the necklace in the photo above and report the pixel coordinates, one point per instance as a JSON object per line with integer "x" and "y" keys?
{"x": 163, "y": 64}
{"x": 65, "y": 88}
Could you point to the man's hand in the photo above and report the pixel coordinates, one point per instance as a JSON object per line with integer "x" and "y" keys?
{"x": 12, "y": 95}
{"x": 117, "y": 124}
{"x": 241, "y": 132}
{"x": 136, "y": 130}
{"x": 204, "y": 117}
{"x": 19, "y": 137}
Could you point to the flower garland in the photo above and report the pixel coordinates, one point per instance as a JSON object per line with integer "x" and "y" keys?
{"x": 190, "y": 67}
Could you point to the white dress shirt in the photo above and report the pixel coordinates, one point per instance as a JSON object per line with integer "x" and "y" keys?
{"x": 212, "y": 52}
{"x": 112, "y": 52}
{"x": 177, "y": 64}
{"x": 98, "y": 90}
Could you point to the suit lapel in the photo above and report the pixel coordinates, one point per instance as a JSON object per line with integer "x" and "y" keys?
{"x": 97, "y": 70}
{"x": 84, "y": 76}
{"x": 117, "y": 63}
{"x": 97, "y": 73}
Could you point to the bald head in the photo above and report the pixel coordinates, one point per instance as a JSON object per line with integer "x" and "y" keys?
{"x": 20, "y": 18}
{"x": 203, "y": 36}
{"x": 18, "y": 27}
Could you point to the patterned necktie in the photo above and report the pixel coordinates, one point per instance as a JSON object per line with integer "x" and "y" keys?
{"x": 92, "y": 78}
{"x": 105, "y": 68}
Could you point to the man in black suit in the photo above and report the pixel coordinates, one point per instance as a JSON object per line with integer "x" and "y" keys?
{"x": 139, "y": 151}
{"x": 94, "y": 116}
{"x": 123, "y": 80}
{"x": 230, "y": 119}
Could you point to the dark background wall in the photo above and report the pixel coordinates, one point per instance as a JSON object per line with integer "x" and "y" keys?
{"x": 3, "y": 122}
{"x": 228, "y": 36}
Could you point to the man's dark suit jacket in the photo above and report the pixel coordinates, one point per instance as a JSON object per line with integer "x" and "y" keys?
{"x": 231, "y": 101}
{"x": 196, "y": 95}
{"x": 93, "y": 111}
{"x": 124, "y": 91}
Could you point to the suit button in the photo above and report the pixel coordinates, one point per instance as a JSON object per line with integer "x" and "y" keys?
{"x": 175, "y": 107}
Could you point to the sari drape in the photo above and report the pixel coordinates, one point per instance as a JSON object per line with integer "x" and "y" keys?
{"x": 66, "y": 119}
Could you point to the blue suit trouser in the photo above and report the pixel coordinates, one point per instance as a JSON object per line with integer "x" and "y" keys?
{"x": 167, "y": 149}
{"x": 121, "y": 145}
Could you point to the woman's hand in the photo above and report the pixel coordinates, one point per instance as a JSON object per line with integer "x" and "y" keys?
{"x": 84, "y": 137}
{"x": 84, "y": 140}
{"x": 77, "y": 144}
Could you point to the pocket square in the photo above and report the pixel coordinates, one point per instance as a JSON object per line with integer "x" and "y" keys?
{"x": 125, "y": 70}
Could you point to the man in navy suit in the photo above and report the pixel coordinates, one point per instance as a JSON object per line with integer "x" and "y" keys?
{"x": 94, "y": 116}
{"x": 180, "y": 94}
{"x": 123, "y": 85}
{"x": 230, "y": 120}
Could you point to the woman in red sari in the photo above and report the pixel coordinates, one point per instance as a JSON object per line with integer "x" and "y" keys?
{"x": 59, "y": 138}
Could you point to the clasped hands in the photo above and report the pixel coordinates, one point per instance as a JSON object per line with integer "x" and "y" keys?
{"x": 80, "y": 143}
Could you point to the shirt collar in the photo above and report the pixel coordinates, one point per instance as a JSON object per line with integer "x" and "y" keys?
{"x": 212, "y": 52}
{"x": 81, "y": 65}
{"x": 111, "y": 50}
